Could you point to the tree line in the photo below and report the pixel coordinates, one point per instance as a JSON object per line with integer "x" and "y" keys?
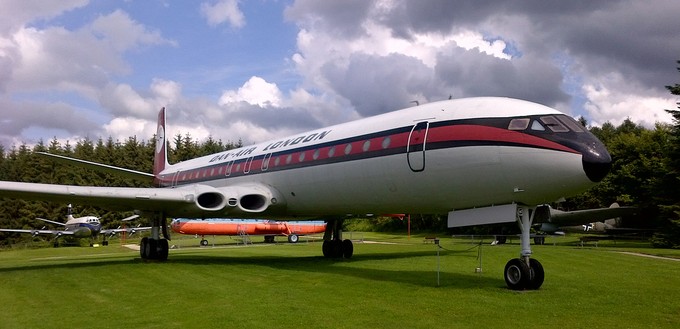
{"x": 23, "y": 164}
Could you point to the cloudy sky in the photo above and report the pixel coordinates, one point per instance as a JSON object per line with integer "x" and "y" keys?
{"x": 261, "y": 69}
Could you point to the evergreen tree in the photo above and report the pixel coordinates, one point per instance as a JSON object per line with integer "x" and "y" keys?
{"x": 669, "y": 236}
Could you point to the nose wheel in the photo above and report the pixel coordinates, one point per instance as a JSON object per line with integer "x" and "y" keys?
{"x": 522, "y": 276}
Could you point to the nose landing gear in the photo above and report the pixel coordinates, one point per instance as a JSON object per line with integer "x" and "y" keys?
{"x": 524, "y": 273}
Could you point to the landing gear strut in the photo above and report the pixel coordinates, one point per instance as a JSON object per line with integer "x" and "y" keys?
{"x": 333, "y": 245}
{"x": 524, "y": 273}
{"x": 155, "y": 247}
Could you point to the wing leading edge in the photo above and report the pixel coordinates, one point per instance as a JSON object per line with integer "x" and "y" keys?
{"x": 186, "y": 201}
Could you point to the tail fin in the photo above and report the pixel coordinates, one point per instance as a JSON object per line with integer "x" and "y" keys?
{"x": 160, "y": 160}
{"x": 69, "y": 212}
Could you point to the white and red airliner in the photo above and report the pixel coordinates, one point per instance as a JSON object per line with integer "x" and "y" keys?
{"x": 480, "y": 160}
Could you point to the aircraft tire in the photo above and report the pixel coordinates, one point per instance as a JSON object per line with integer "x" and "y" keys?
{"x": 539, "y": 240}
{"x": 516, "y": 274}
{"x": 336, "y": 249}
{"x": 268, "y": 239}
{"x": 105, "y": 243}
{"x": 143, "y": 245}
{"x": 162, "y": 249}
{"x": 204, "y": 243}
{"x": 293, "y": 238}
{"x": 153, "y": 249}
{"x": 347, "y": 248}
{"x": 326, "y": 249}
{"x": 536, "y": 275}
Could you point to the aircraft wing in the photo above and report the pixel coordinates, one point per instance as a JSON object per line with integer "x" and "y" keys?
{"x": 38, "y": 232}
{"x": 195, "y": 200}
{"x": 127, "y": 230}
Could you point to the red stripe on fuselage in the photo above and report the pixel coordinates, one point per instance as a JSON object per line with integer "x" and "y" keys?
{"x": 491, "y": 134}
{"x": 444, "y": 134}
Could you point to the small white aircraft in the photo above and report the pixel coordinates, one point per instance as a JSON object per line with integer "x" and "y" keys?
{"x": 481, "y": 160}
{"x": 78, "y": 227}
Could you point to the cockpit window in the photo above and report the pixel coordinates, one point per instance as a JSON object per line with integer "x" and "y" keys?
{"x": 537, "y": 126}
{"x": 571, "y": 123}
{"x": 554, "y": 124}
{"x": 518, "y": 124}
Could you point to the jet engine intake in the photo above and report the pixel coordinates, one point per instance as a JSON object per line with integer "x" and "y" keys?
{"x": 211, "y": 201}
{"x": 253, "y": 203}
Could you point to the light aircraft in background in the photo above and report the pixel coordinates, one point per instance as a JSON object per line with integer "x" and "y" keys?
{"x": 600, "y": 220}
{"x": 78, "y": 227}
{"x": 223, "y": 226}
{"x": 481, "y": 160}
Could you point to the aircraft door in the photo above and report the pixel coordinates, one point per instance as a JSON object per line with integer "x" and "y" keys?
{"x": 415, "y": 150}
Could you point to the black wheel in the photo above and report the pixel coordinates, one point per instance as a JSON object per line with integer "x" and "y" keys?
{"x": 204, "y": 243}
{"x": 293, "y": 238}
{"x": 152, "y": 248}
{"x": 539, "y": 240}
{"x": 105, "y": 243}
{"x": 268, "y": 239}
{"x": 336, "y": 249}
{"x": 347, "y": 248}
{"x": 516, "y": 274}
{"x": 143, "y": 246}
{"x": 326, "y": 249}
{"x": 162, "y": 249}
{"x": 536, "y": 275}
{"x": 502, "y": 239}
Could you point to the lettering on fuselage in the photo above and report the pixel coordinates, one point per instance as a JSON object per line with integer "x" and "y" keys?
{"x": 297, "y": 140}
{"x": 271, "y": 146}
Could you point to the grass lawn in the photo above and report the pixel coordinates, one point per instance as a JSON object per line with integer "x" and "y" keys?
{"x": 390, "y": 284}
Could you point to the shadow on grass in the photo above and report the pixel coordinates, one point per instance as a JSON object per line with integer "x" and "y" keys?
{"x": 425, "y": 276}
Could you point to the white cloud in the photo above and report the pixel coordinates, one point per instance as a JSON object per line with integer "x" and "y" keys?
{"x": 16, "y": 13}
{"x": 606, "y": 105}
{"x": 255, "y": 91}
{"x": 122, "y": 33}
{"x": 223, "y": 11}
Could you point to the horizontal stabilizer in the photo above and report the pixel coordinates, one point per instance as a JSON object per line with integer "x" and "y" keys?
{"x": 546, "y": 214}
{"x": 117, "y": 171}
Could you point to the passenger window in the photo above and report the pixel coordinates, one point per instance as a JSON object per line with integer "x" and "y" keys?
{"x": 367, "y": 146}
{"x": 331, "y": 152}
{"x": 554, "y": 124}
{"x": 386, "y": 142}
{"x": 348, "y": 149}
{"x": 537, "y": 126}
{"x": 518, "y": 124}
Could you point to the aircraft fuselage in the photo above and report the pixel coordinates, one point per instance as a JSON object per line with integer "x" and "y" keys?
{"x": 426, "y": 159}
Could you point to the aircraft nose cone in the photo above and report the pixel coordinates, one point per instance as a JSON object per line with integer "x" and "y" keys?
{"x": 596, "y": 162}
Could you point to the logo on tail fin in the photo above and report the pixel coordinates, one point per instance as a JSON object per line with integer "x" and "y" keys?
{"x": 160, "y": 138}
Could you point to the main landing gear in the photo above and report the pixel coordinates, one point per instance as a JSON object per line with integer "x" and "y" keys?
{"x": 155, "y": 247}
{"x": 333, "y": 244}
{"x": 524, "y": 273}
